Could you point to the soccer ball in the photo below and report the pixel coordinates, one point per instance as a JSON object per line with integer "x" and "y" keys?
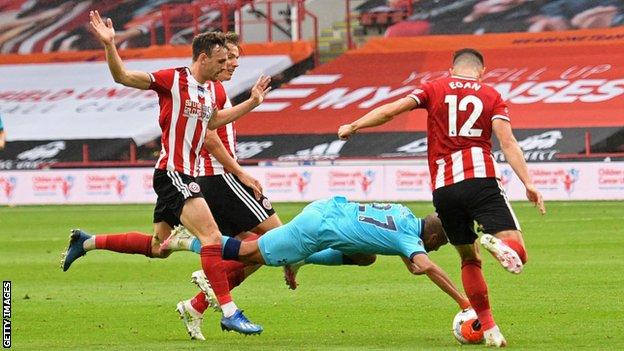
{"x": 466, "y": 328}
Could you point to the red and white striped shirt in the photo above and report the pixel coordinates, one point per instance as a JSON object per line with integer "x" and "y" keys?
{"x": 208, "y": 164}
{"x": 185, "y": 108}
{"x": 459, "y": 128}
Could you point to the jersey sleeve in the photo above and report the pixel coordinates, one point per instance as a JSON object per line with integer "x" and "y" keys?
{"x": 410, "y": 242}
{"x": 161, "y": 80}
{"x": 411, "y": 246}
{"x": 500, "y": 110}
{"x": 420, "y": 95}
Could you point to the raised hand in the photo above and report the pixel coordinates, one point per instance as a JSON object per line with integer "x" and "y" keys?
{"x": 102, "y": 29}
{"x": 260, "y": 89}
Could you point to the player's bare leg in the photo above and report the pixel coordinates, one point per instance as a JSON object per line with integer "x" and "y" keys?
{"x": 270, "y": 223}
{"x": 162, "y": 230}
{"x": 508, "y": 248}
{"x": 477, "y": 292}
{"x": 197, "y": 218}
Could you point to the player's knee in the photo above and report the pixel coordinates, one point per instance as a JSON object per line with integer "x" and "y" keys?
{"x": 359, "y": 259}
{"x": 367, "y": 260}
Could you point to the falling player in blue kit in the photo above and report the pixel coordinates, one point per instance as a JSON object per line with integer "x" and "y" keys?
{"x": 335, "y": 226}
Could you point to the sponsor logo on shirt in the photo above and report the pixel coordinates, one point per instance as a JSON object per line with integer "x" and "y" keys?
{"x": 197, "y": 110}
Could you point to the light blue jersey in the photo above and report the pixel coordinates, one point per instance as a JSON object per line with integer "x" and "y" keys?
{"x": 350, "y": 227}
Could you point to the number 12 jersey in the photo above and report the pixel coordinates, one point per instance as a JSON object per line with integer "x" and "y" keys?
{"x": 459, "y": 128}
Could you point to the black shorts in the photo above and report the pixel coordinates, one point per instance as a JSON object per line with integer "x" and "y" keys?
{"x": 478, "y": 199}
{"x": 233, "y": 205}
{"x": 173, "y": 189}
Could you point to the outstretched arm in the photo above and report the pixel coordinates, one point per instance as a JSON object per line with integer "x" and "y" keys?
{"x": 105, "y": 32}
{"x": 213, "y": 144}
{"x": 515, "y": 158}
{"x": 258, "y": 92}
{"x": 421, "y": 264}
{"x": 378, "y": 116}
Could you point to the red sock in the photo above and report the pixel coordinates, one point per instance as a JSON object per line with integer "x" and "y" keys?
{"x": 199, "y": 302}
{"x": 477, "y": 292}
{"x": 131, "y": 243}
{"x": 518, "y": 248}
{"x": 235, "y": 273}
{"x": 212, "y": 264}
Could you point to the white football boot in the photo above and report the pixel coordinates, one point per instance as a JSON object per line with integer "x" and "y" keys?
{"x": 507, "y": 257}
{"x": 180, "y": 239}
{"x": 199, "y": 278}
{"x": 494, "y": 338}
{"x": 192, "y": 319}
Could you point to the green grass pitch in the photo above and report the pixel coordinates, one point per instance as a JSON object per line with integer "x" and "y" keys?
{"x": 570, "y": 296}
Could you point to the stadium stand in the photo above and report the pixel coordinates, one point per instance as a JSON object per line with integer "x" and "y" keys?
{"x": 56, "y": 25}
{"x": 428, "y": 17}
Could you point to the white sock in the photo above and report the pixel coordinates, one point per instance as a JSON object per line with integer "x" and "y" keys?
{"x": 229, "y": 309}
{"x": 89, "y": 244}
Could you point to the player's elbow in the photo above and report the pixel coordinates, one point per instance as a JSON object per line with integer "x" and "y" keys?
{"x": 508, "y": 143}
{"x": 123, "y": 80}
{"x": 424, "y": 269}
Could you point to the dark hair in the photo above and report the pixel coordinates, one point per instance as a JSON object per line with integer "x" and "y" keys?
{"x": 232, "y": 38}
{"x": 206, "y": 42}
{"x": 468, "y": 51}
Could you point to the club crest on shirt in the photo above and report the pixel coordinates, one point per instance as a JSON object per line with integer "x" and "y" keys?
{"x": 197, "y": 110}
{"x": 266, "y": 203}
{"x": 193, "y": 187}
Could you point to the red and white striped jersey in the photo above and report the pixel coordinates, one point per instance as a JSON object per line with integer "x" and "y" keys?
{"x": 459, "y": 128}
{"x": 185, "y": 108}
{"x": 208, "y": 164}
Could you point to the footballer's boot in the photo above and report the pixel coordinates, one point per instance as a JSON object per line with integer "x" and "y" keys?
{"x": 199, "y": 278}
{"x": 192, "y": 319}
{"x": 494, "y": 338}
{"x": 507, "y": 257}
{"x": 290, "y": 274}
{"x": 75, "y": 248}
{"x": 239, "y": 323}
{"x": 179, "y": 240}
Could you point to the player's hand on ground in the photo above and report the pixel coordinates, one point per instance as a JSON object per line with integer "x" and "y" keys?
{"x": 260, "y": 89}
{"x": 345, "y": 131}
{"x": 536, "y": 198}
{"x": 253, "y": 183}
{"x": 102, "y": 29}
